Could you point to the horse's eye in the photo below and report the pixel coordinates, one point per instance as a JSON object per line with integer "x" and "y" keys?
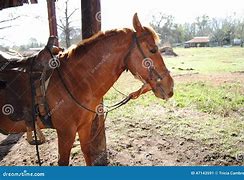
{"x": 154, "y": 50}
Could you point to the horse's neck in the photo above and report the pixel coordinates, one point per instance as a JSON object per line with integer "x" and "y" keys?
{"x": 99, "y": 76}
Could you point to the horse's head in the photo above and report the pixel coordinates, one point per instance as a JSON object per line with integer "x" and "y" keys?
{"x": 146, "y": 63}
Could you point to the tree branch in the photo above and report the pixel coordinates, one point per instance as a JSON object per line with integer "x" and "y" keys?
{"x": 72, "y": 13}
{"x": 61, "y": 27}
{"x": 1, "y": 28}
{"x": 7, "y": 20}
{"x": 62, "y": 24}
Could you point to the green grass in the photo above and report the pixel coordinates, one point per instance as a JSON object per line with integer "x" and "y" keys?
{"x": 220, "y": 100}
{"x": 207, "y": 60}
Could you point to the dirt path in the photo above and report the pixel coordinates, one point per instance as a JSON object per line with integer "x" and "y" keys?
{"x": 215, "y": 79}
{"x": 7, "y": 142}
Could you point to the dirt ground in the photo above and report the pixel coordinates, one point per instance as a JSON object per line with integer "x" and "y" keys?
{"x": 214, "y": 79}
{"x": 137, "y": 144}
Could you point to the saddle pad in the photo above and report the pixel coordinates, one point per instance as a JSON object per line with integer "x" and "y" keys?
{"x": 15, "y": 92}
{"x": 10, "y": 57}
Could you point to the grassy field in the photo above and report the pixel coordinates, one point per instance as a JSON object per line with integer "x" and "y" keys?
{"x": 207, "y": 107}
{"x": 208, "y": 60}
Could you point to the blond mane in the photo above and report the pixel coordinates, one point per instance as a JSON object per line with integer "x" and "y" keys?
{"x": 153, "y": 33}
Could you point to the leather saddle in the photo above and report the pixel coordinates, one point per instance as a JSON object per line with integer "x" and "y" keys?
{"x": 15, "y": 83}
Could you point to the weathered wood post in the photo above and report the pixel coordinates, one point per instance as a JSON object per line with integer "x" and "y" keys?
{"x": 52, "y": 19}
{"x": 91, "y": 24}
{"x": 91, "y": 17}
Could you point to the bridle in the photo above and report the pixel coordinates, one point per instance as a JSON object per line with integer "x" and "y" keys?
{"x": 151, "y": 69}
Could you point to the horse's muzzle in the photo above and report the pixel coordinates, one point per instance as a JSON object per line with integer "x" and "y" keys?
{"x": 162, "y": 93}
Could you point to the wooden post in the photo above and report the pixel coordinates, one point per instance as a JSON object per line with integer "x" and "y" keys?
{"x": 91, "y": 17}
{"x": 91, "y": 24}
{"x": 52, "y": 18}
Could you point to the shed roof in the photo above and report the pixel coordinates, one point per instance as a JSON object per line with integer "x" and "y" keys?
{"x": 203, "y": 39}
{"x": 13, "y": 3}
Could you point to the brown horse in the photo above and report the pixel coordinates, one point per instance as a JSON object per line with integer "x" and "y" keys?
{"x": 88, "y": 71}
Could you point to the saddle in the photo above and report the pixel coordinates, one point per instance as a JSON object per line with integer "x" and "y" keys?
{"x": 11, "y": 61}
{"x": 20, "y": 77}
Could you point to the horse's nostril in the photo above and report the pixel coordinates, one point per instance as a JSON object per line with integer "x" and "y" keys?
{"x": 171, "y": 94}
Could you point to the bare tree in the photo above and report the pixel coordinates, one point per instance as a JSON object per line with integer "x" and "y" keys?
{"x": 65, "y": 24}
{"x": 168, "y": 30}
{"x": 203, "y": 25}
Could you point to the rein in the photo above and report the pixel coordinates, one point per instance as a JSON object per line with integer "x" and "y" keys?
{"x": 33, "y": 115}
{"x": 113, "y": 107}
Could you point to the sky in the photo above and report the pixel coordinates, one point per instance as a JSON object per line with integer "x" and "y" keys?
{"x": 115, "y": 14}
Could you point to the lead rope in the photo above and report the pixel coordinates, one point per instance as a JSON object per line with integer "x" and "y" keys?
{"x": 34, "y": 113}
{"x": 119, "y": 91}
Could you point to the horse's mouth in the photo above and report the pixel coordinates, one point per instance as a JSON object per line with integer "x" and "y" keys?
{"x": 161, "y": 93}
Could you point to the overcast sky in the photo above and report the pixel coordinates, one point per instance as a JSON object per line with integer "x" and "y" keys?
{"x": 115, "y": 14}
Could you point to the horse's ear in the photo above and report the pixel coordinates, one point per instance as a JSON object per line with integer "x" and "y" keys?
{"x": 137, "y": 24}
